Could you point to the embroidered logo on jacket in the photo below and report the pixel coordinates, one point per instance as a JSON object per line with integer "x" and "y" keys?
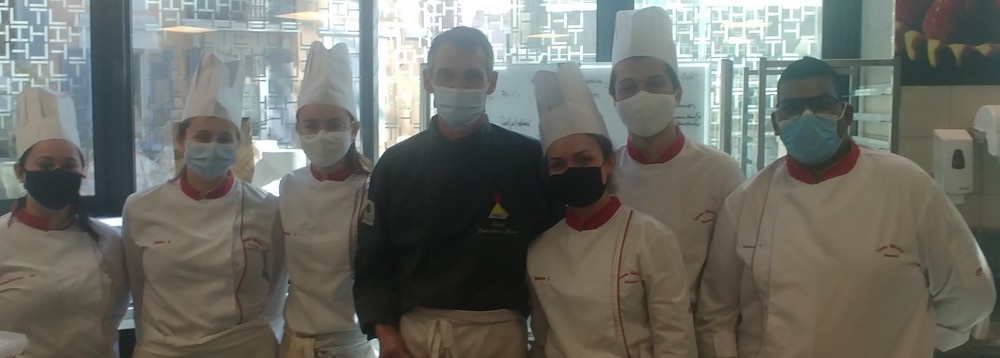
{"x": 890, "y": 250}
{"x": 705, "y": 217}
{"x": 368, "y": 213}
{"x": 630, "y": 277}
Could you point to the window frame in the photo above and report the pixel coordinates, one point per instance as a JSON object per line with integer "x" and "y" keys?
{"x": 113, "y": 122}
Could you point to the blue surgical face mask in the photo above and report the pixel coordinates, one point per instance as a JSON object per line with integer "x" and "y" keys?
{"x": 811, "y": 138}
{"x": 209, "y": 160}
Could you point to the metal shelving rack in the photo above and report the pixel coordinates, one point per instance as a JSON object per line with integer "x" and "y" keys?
{"x": 873, "y": 85}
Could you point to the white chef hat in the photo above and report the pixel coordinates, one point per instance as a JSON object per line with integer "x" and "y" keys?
{"x": 565, "y": 105}
{"x": 44, "y": 114}
{"x": 646, "y": 32}
{"x": 327, "y": 78}
{"x": 216, "y": 89}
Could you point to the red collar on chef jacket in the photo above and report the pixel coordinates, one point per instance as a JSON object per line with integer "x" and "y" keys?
{"x": 843, "y": 166}
{"x": 594, "y": 221}
{"x": 36, "y": 222}
{"x": 636, "y": 153}
{"x": 340, "y": 174}
{"x": 193, "y": 193}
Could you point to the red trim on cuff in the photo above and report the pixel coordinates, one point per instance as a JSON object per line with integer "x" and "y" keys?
{"x": 842, "y": 167}
{"x": 595, "y": 221}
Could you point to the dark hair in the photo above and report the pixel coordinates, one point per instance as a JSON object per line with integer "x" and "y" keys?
{"x": 808, "y": 67}
{"x": 77, "y": 206}
{"x": 607, "y": 149}
{"x": 675, "y": 80}
{"x": 465, "y": 38}
{"x": 358, "y": 163}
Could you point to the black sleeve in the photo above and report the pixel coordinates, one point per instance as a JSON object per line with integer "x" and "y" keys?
{"x": 376, "y": 296}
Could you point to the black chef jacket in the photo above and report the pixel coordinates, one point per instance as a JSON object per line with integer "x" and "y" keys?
{"x": 448, "y": 225}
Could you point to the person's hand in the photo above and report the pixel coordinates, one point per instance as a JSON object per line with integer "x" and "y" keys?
{"x": 390, "y": 342}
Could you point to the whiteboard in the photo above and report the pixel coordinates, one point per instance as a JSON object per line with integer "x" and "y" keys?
{"x": 512, "y": 105}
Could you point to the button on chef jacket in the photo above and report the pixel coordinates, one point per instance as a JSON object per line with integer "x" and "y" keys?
{"x": 611, "y": 286}
{"x": 433, "y": 242}
{"x": 66, "y": 291}
{"x": 207, "y": 275}
{"x": 870, "y": 261}
{"x": 684, "y": 189}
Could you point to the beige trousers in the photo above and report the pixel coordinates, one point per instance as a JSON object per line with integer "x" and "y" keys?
{"x": 350, "y": 344}
{"x": 431, "y": 333}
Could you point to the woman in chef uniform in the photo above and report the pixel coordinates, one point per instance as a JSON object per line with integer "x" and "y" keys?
{"x": 205, "y": 250}
{"x": 607, "y": 281}
{"x": 321, "y": 205}
{"x": 62, "y": 275}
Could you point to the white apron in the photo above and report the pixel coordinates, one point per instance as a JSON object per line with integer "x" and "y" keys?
{"x": 320, "y": 222}
{"x": 616, "y": 291}
{"x": 434, "y": 333}
{"x": 684, "y": 193}
{"x": 63, "y": 289}
{"x": 876, "y": 263}
{"x": 208, "y": 276}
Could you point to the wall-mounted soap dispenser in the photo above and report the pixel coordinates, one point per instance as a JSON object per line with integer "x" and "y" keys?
{"x": 953, "y": 162}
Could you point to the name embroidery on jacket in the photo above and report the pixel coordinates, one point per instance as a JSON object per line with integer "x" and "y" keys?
{"x": 15, "y": 279}
{"x": 705, "y": 217}
{"x": 890, "y": 250}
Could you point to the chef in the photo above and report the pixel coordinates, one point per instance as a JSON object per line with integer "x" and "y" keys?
{"x": 443, "y": 241}
{"x": 679, "y": 182}
{"x": 62, "y": 274}
{"x": 321, "y": 207}
{"x": 838, "y": 250}
{"x": 608, "y": 281}
{"x": 205, "y": 250}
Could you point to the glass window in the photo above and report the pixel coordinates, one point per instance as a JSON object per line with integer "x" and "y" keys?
{"x": 44, "y": 44}
{"x": 744, "y": 31}
{"x": 272, "y": 39}
{"x": 521, "y": 31}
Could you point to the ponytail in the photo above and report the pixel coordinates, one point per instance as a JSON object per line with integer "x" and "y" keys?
{"x": 358, "y": 163}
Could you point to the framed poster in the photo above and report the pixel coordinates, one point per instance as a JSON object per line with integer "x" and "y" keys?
{"x": 948, "y": 42}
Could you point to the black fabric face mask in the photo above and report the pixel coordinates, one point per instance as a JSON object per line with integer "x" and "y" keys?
{"x": 53, "y": 189}
{"x": 578, "y": 186}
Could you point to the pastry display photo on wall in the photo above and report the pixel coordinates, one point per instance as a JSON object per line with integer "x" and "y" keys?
{"x": 948, "y": 42}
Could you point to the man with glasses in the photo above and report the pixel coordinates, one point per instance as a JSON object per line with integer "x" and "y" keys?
{"x": 838, "y": 250}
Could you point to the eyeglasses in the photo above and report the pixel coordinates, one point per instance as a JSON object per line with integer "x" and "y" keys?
{"x": 824, "y": 108}
{"x": 793, "y": 107}
{"x": 312, "y": 127}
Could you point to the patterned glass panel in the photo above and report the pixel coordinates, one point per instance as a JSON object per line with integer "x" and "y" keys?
{"x": 744, "y": 31}
{"x": 271, "y": 37}
{"x": 521, "y": 31}
{"x": 44, "y": 43}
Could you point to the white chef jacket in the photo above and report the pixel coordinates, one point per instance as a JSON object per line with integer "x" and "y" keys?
{"x": 616, "y": 289}
{"x": 873, "y": 262}
{"x": 208, "y": 275}
{"x": 320, "y": 220}
{"x": 63, "y": 289}
{"x": 684, "y": 190}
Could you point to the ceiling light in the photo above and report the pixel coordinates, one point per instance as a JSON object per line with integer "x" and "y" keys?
{"x": 188, "y": 29}
{"x": 305, "y": 16}
{"x": 547, "y": 36}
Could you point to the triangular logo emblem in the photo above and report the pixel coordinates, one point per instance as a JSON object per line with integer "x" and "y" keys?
{"x": 498, "y": 212}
